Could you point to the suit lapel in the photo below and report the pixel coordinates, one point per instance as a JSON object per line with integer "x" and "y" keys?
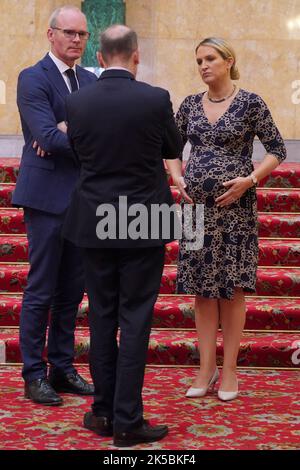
{"x": 82, "y": 76}
{"x": 55, "y": 76}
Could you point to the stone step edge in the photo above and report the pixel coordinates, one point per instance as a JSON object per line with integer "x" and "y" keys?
{"x": 20, "y": 294}
{"x": 172, "y": 187}
{"x": 85, "y": 329}
{"x": 276, "y": 239}
{"x": 14, "y": 263}
{"x": 2, "y": 352}
{"x": 19, "y": 365}
{"x": 20, "y": 209}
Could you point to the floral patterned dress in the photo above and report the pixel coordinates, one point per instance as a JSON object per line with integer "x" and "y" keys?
{"x": 220, "y": 152}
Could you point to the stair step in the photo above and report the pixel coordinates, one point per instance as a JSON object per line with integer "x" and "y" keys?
{"x": 176, "y": 347}
{"x": 14, "y": 248}
{"x": 279, "y": 225}
{"x": 12, "y": 221}
{"x": 286, "y": 175}
{"x": 271, "y": 253}
{"x": 270, "y": 281}
{"x": 6, "y": 190}
{"x": 175, "y": 311}
{"x": 9, "y": 169}
{"x": 268, "y": 200}
{"x": 274, "y": 225}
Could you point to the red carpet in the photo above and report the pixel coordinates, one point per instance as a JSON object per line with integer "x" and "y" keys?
{"x": 282, "y": 281}
{"x": 268, "y": 200}
{"x": 179, "y": 347}
{"x": 14, "y": 248}
{"x": 263, "y": 313}
{"x": 265, "y": 416}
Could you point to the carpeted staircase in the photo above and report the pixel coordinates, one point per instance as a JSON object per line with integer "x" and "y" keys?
{"x": 272, "y": 334}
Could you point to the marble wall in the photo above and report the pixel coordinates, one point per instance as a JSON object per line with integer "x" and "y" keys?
{"x": 100, "y": 14}
{"x": 23, "y": 28}
{"x": 265, "y": 34}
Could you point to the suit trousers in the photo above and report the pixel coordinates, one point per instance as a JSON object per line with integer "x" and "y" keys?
{"x": 55, "y": 285}
{"x": 122, "y": 286}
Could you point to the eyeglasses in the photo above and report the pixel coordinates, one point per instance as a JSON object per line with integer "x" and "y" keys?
{"x": 71, "y": 34}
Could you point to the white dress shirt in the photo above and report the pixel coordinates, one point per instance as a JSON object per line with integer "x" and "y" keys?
{"x": 62, "y": 67}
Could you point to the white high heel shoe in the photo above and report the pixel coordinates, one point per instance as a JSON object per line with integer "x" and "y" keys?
{"x": 227, "y": 396}
{"x": 200, "y": 392}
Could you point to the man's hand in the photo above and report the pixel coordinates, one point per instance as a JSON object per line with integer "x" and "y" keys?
{"x": 181, "y": 185}
{"x": 237, "y": 187}
{"x": 40, "y": 152}
{"x": 62, "y": 126}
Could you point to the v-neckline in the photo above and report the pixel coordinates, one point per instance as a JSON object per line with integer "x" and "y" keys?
{"x": 212, "y": 124}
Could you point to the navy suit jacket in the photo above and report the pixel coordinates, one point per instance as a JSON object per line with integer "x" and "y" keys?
{"x": 46, "y": 183}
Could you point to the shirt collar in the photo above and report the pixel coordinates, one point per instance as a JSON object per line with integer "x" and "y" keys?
{"x": 62, "y": 67}
{"x": 118, "y": 68}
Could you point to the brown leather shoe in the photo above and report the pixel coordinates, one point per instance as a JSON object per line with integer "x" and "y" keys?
{"x": 143, "y": 433}
{"x": 101, "y": 425}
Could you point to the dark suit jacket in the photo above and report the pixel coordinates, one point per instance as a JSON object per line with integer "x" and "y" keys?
{"x": 121, "y": 130}
{"x": 46, "y": 183}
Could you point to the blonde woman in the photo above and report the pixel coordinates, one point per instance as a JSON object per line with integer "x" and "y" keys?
{"x": 221, "y": 124}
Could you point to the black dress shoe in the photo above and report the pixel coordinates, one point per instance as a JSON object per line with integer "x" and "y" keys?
{"x": 40, "y": 391}
{"x": 101, "y": 425}
{"x": 70, "y": 383}
{"x": 144, "y": 433}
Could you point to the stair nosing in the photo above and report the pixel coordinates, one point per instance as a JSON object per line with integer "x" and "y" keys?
{"x": 169, "y": 366}
{"x": 160, "y": 329}
{"x": 23, "y": 263}
{"x": 20, "y": 209}
{"x": 247, "y": 297}
{"x": 23, "y": 235}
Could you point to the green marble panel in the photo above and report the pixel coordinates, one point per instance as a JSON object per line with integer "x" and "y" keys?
{"x": 100, "y": 14}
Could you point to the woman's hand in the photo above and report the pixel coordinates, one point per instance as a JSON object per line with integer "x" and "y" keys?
{"x": 237, "y": 187}
{"x": 181, "y": 185}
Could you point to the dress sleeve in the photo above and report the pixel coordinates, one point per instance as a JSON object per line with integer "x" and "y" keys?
{"x": 182, "y": 120}
{"x": 265, "y": 128}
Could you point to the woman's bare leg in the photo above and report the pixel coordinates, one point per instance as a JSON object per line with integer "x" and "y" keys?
{"x": 232, "y": 316}
{"x": 207, "y": 324}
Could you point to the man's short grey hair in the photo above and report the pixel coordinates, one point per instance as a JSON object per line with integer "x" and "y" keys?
{"x": 118, "y": 40}
{"x": 57, "y": 12}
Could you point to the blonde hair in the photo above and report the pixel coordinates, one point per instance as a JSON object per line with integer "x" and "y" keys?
{"x": 225, "y": 50}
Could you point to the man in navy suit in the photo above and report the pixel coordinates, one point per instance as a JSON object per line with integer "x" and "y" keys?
{"x": 120, "y": 129}
{"x": 48, "y": 174}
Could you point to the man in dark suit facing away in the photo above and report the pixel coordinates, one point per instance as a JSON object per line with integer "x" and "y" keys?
{"x": 120, "y": 129}
{"x": 48, "y": 173}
